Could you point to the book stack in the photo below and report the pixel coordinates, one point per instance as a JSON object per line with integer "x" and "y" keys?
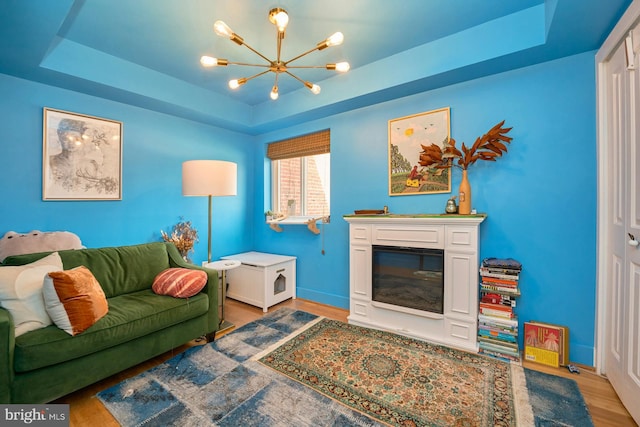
{"x": 546, "y": 343}
{"x": 497, "y": 320}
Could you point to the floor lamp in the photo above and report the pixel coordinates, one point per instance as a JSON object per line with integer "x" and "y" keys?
{"x": 211, "y": 178}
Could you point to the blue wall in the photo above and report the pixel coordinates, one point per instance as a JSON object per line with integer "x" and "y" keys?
{"x": 154, "y": 147}
{"x": 540, "y": 198}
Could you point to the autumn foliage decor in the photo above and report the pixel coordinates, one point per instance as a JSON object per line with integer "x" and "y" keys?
{"x": 489, "y": 146}
{"x": 184, "y": 236}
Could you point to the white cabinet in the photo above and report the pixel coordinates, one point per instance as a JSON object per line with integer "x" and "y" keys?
{"x": 457, "y": 236}
{"x": 262, "y": 279}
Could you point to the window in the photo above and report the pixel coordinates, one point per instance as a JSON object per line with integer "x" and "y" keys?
{"x": 300, "y": 175}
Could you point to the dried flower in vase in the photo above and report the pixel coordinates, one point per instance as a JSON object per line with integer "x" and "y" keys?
{"x": 183, "y": 236}
{"x": 489, "y": 147}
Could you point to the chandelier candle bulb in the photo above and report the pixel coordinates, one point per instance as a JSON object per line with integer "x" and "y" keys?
{"x": 236, "y": 83}
{"x": 279, "y": 18}
{"x": 208, "y": 61}
{"x": 341, "y": 67}
{"x": 274, "y": 93}
{"x": 222, "y": 29}
{"x": 315, "y": 89}
{"x": 335, "y": 39}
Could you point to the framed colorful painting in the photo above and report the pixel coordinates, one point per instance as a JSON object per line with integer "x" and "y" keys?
{"x": 407, "y": 135}
{"x": 81, "y": 157}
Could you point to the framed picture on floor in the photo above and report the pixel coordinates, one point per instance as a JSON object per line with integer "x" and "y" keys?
{"x": 81, "y": 157}
{"x": 407, "y": 135}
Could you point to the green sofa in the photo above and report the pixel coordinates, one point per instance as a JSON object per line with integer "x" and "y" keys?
{"x": 42, "y": 365}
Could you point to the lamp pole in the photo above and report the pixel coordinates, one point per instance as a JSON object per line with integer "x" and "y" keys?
{"x": 209, "y": 240}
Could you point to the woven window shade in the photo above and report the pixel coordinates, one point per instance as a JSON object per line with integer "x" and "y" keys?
{"x": 301, "y": 146}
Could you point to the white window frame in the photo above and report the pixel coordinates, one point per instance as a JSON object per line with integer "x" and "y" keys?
{"x": 276, "y": 189}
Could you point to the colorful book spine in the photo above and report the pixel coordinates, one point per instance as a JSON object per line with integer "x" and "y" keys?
{"x": 500, "y": 348}
{"x": 506, "y": 263}
{"x": 497, "y": 298}
{"x": 509, "y": 290}
{"x": 496, "y": 334}
{"x": 499, "y": 273}
{"x": 497, "y": 329}
{"x": 503, "y": 322}
{"x": 496, "y": 310}
{"x": 499, "y": 355}
{"x": 499, "y": 282}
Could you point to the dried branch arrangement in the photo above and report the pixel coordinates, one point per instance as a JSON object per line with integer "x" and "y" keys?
{"x": 488, "y": 147}
{"x": 184, "y": 236}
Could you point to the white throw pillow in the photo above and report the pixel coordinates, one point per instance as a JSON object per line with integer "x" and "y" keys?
{"x": 21, "y": 292}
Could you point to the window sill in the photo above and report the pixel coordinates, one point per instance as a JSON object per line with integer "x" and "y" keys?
{"x": 303, "y": 220}
{"x": 309, "y": 221}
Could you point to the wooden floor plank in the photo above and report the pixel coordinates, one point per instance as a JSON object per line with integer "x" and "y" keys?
{"x": 86, "y": 410}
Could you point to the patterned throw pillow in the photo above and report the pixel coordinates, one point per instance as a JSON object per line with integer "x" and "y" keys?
{"x": 74, "y": 299}
{"x": 21, "y": 292}
{"x": 179, "y": 282}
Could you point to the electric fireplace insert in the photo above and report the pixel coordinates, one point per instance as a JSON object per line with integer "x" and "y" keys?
{"x": 409, "y": 277}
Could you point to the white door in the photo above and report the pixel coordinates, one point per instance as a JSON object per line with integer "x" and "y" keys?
{"x": 618, "y": 247}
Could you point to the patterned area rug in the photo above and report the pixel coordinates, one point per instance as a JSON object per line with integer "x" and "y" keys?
{"x": 291, "y": 368}
{"x": 398, "y": 380}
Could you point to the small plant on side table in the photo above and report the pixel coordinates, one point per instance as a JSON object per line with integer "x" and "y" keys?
{"x": 183, "y": 236}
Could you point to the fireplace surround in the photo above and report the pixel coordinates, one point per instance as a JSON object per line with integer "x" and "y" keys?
{"x": 457, "y": 236}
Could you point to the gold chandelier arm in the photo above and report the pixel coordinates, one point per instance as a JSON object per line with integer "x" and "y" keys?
{"x": 306, "y": 66}
{"x": 300, "y": 56}
{"x": 296, "y": 77}
{"x": 279, "y": 37}
{"x": 256, "y": 52}
{"x": 315, "y": 89}
{"x": 255, "y": 75}
{"x": 249, "y": 65}
{"x": 340, "y": 67}
{"x": 333, "y": 40}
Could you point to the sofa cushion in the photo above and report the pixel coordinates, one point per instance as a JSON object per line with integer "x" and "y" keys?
{"x": 130, "y": 316}
{"x": 74, "y": 299}
{"x": 119, "y": 269}
{"x": 179, "y": 282}
{"x": 21, "y": 293}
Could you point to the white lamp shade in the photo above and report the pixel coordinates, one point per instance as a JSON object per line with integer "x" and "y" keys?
{"x": 209, "y": 178}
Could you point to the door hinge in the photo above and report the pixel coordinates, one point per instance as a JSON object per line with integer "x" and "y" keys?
{"x": 630, "y": 54}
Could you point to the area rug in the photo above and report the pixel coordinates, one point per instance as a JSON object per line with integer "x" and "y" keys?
{"x": 406, "y": 382}
{"x": 291, "y": 368}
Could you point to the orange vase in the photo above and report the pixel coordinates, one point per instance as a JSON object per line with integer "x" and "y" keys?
{"x": 464, "y": 195}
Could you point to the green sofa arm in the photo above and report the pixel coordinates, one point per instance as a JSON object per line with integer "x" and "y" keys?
{"x": 7, "y": 344}
{"x": 176, "y": 260}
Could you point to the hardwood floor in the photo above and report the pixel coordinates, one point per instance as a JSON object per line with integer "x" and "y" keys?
{"x": 86, "y": 410}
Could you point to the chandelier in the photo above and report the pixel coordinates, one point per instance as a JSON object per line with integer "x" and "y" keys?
{"x": 280, "y": 19}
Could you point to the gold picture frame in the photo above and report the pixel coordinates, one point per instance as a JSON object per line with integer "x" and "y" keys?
{"x": 407, "y": 135}
{"x": 81, "y": 157}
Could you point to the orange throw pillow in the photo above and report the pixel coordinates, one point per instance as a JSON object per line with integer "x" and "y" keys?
{"x": 179, "y": 282}
{"x": 74, "y": 299}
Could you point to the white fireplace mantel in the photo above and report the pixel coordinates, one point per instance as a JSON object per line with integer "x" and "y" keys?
{"x": 458, "y": 236}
